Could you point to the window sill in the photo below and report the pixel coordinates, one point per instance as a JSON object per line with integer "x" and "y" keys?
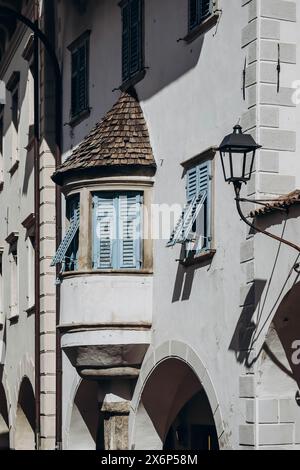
{"x": 198, "y": 258}
{"x": 112, "y": 272}
{"x": 133, "y": 80}
{"x": 75, "y": 120}
{"x": 202, "y": 28}
{"x": 14, "y": 318}
{"x": 30, "y": 311}
{"x": 14, "y": 168}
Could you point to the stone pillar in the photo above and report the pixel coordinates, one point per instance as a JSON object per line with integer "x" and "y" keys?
{"x": 116, "y": 414}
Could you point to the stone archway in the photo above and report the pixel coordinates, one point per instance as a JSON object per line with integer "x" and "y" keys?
{"x": 84, "y": 417}
{"x": 172, "y": 406}
{"x": 4, "y": 420}
{"x": 25, "y": 418}
{"x": 278, "y": 372}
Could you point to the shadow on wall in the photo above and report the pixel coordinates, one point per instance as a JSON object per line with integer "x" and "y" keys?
{"x": 84, "y": 425}
{"x": 25, "y": 418}
{"x": 185, "y": 278}
{"x": 166, "y": 23}
{"x": 4, "y": 422}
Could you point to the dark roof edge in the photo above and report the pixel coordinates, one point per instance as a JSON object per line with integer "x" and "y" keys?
{"x": 113, "y": 170}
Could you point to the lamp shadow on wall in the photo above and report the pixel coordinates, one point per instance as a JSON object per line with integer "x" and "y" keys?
{"x": 245, "y": 328}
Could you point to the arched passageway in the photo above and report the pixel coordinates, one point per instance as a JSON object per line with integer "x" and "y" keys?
{"x": 25, "y": 418}
{"x": 85, "y": 417}
{"x": 280, "y": 359}
{"x": 4, "y": 422}
{"x": 174, "y": 412}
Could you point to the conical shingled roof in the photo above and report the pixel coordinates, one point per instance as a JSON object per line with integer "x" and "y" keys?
{"x": 121, "y": 139}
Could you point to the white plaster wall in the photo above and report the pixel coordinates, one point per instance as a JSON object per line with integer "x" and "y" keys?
{"x": 17, "y": 203}
{"x": 191, "y": 97}
{"x": 92, "y": 299}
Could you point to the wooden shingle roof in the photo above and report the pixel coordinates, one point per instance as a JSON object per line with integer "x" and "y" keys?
{"x": 120, "y": 139}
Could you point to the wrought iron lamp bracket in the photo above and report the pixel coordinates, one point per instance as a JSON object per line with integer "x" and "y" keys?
{"x": 238, "y": 199}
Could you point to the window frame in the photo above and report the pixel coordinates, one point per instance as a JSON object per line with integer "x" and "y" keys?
{"x": 207, "y": 206}
{"x": 203, "y": 25}
{"x": 83, "y": 40}
{"x": 73, "y": 249}
{"x": 116, "y": 248}
{"x": 137, "y": 76}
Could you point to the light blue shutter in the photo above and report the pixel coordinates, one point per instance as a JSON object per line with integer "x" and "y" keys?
{"x": 202, "y": 177}
{"x": 104, "y": 231}
{"x": 203, "y": 184}
{"x": 130, "y": 231}
{"x": 191, "y": 188}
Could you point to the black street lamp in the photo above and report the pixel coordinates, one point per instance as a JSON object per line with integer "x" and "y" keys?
{"x": 237, "y": 155}
{"x": 238, "y": 152}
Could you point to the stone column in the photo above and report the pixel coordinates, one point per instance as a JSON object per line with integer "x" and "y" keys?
{"x": 116, "y": 414}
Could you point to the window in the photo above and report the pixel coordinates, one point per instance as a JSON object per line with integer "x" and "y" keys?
{"x": 1, "y": 147}
{"x": 117, "y": 230}
{"x": 1, "y": 286}
{"x": 199, "y": 10}
{"x": 15, "y": 109}
{"x": 71, "y": 259}
{"x": 31, "y": 271}
{"x": 14, "y": 281}
{"x": 67, "y": 253}
{"x": 194, "y": 226}
{"x": 13, "y": 87}
{"x": 132, "y": 38}
{"x": 80, "y": 75}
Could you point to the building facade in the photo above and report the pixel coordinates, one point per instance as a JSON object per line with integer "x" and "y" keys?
{"x": 184, "y": 338}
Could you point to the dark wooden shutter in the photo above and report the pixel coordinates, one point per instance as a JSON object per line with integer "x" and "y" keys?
{"x": 126, "y": 42}
{"x": 82, "y": 77}
{"x": 75, "y": 59}
{"x": 193, "y": 16}
{"x": 205, "y": 9}
{"x": 135, "y": 36}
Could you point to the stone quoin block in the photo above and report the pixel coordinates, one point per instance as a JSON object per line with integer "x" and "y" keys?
{"x": 251, "y": 76}
{"x": 276, "y": 184}
{"x": 247, "y": 435}
{"x": 268, "y": 411}
{"x": 269, "y": 161}
{"x": 270, "y": 29}
{"x": 249, "y": 119}
{"x": 278, "y": 140}
{"x": 249, "y": 33}
{"x": 278, "y": 9}
{"x": 250, "y": 411}
{"x": 247, "y": 251}
{"x": 268, "y": 72}
{"x": 276, "y": 434}
{"x": 252, "y": 52}
{"x": 287, "y": 410}
{"x": 269, "y": 51}
{"x": 252, "y": 10}
{"x": 269, "y": 95}
{"x": 247, "y": 386}
{"x": 269, "y": 116}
